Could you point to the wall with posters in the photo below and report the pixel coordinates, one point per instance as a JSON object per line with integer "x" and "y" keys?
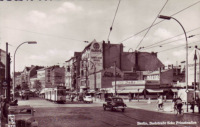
{"x": 96, "y": 56}
{"x": 108, "y": 77}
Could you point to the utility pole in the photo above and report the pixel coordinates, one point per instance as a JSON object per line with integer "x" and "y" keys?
{"x": 8, "y": 77}
{"x": 115, "y": 79}
{"x": 6, "y": 70}
{"x": 195, "y": 58}
{"x": 95, "y": 85}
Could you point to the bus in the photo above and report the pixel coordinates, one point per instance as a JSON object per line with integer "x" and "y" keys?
{"x": 57, "y": 94}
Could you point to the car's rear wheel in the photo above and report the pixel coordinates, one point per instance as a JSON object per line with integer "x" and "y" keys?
{"x": 123, "y": 110}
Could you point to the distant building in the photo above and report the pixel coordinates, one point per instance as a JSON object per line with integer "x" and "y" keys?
{"x": 51, "y": 76}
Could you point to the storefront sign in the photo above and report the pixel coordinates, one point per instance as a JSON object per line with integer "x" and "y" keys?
{"x": 152, "y": 82}
{"x": 138, "y": 82}
{"x": 153, "y": 77}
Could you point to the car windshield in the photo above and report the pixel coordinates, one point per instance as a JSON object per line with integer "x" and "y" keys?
{"x": 20, "y": 111}
{"x": 61, "y": 93}
{"x": 117, "y": 100}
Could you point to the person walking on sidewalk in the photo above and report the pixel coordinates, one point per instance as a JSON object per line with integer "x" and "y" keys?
{"x": 129, "y": 96}
{"x": 192, "y": 105}
{"x": 160, "y": 102}
{"x": 198, "y": 103}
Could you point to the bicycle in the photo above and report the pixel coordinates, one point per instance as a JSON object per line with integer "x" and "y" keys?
{"x": 160, "y": 108}
{"x": 178, "y": 112}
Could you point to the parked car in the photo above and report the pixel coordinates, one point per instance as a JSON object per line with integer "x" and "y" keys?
{"x": 21, "y": 116}
{"x": 114, "y": 103}
{"x": 87, "y": 99}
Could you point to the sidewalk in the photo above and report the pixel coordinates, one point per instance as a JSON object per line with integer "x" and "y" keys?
{"x": 142, "y": 104}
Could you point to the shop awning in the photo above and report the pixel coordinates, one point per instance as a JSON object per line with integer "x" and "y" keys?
{"x": 154, "y": 90}
{"x": 132, "y": 91}
{"x": 91, "y": 91}
{"x": 174, "y": 90}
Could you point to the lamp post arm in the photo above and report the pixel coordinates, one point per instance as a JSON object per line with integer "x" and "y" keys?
{"x": 186, "y": 67}
{"x": 14, "y": 70}
{"x": 182, "y": 27}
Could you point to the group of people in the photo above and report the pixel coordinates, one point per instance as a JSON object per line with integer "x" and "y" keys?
{"x": 177, "y": 103}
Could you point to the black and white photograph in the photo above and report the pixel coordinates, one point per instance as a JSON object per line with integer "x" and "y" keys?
{"x": 99, "y": 63}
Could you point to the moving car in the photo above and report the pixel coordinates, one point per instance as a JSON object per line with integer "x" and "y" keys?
{"x": 87, "y": 99}
{"x": 21, "y": 116}
{"x": 114, "y": 103}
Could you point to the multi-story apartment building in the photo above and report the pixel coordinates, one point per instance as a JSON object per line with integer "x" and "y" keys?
{"x": 29, "y": 72}
{"x": 51, "y": 76}
{"x": 25, "y": 75}
{"x": 100, "y": 61}
{"x": 58, "y": 76}
{"x": 18, "y": 78}
{"x": 72, "y": 72}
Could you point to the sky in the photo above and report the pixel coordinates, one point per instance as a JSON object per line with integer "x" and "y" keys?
{"x": 60, "y": 28}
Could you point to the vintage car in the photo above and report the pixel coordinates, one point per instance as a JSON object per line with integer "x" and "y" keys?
{"x": 114, "y": 103}
{"x": 87, "y": 99}
{"x": 21, "y": 116}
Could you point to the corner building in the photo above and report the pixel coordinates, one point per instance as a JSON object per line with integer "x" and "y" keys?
{"x": 100, "y": 62}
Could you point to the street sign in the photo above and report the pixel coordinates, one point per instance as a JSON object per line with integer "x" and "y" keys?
{"x": 4, "y": 85}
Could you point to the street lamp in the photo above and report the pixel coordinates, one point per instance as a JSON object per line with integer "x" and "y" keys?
{"x": 186, "y": 67}
{"x": 29, "y": 42}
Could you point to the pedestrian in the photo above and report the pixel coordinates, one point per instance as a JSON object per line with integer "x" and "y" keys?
{"x": 160, "y": 102}
{"x": 72, "y": 98}
{"x": 165, "y": 98}
{"x": 198, "y": 103}
{"x": 173, "y": 103}
{"x": 129, "y": 96}
{"x": 5, "y": 109}
{"x": 192, "y": 105}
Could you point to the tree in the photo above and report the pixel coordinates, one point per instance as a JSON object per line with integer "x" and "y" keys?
{"x": 38, "y": 85}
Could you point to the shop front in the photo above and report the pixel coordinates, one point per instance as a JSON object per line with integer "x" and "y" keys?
{"x": 134, "y": 87}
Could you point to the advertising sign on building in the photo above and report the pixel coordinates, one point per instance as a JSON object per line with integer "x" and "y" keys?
{"x": 131, "y": 76}
{"x": 96, "y": 55}
{"x": 137, "y": 82}
{"x": 152, "y": 82}
{"x": 191, "y": 66}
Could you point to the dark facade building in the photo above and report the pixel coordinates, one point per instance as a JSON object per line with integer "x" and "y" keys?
{"x": 101, "y": 61}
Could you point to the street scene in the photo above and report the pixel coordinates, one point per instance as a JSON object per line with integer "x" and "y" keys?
{"x": 78, "y": 114}
{"x": 99, "y": 63}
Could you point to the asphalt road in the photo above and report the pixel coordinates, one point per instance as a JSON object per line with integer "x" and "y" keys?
{"x": 78, "y": 114}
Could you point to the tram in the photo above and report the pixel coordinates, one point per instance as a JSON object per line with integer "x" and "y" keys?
{"x": 57, "y": 94}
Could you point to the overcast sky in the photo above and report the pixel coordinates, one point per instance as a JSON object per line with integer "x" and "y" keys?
{"x": 61, "y": 27}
